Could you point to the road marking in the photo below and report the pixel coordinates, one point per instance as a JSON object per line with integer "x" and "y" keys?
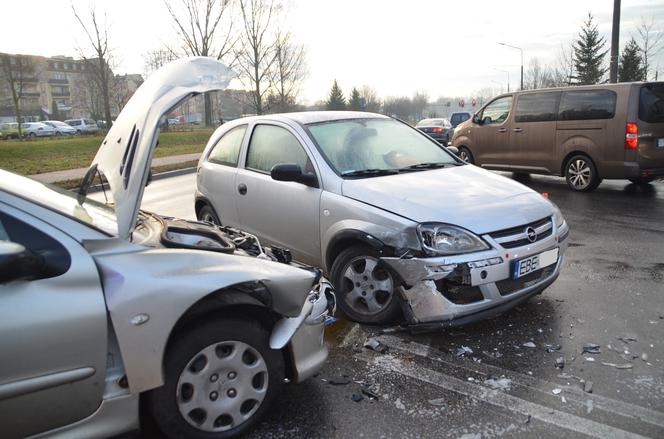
{"x": 497, "y": 398}
{"x": 575, "y": 394}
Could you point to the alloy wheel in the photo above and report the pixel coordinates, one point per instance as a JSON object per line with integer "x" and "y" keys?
{"x": 580, "y": 174}
{"x": 368, "y": 288}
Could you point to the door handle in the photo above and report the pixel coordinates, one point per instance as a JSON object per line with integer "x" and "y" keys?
{"x": 242, "y": 188}
{"x": 518, "y": 130}
{"x": 502, "y": 130}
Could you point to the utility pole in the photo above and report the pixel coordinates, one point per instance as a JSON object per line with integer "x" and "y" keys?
{"x": 521, "y": 50}
{"x": 615, "y": 42}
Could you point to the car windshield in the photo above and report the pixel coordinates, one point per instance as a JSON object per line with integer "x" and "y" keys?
{"x": 376, "y": 145}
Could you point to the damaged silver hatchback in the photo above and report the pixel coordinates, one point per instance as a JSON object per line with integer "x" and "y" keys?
{"x": 400, "y": 223}
{"x": 104, "y": 306}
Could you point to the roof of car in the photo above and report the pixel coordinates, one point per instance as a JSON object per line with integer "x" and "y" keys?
{"x": 307, "y": 117}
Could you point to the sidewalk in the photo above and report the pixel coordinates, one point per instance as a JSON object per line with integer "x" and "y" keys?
{"x": 71, "y": 174}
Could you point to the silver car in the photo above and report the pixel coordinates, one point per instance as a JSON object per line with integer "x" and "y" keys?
{"x": 61, "y": 128}
{"x": 104, "y": 307}
{"x": 37, "y": 129}
{"x": 400, "y": 224}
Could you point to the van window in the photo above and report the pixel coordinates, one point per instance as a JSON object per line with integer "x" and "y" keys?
{"x": 587, "y": 104}
{"x": 537, "y": 107}
{"x": 497, "y": 111}
{"x": 75, "y": 122}
{"x": 651, "y": 103}
{"x": 457, "y": 118}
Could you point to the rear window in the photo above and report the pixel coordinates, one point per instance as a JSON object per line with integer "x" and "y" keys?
{"x": 90, "y": 122}
{"x": 651, "y": 103}
{"x": 537, "y": 107}
{"x": 459, "y": 117}
{"x": 74, "y": 122}
{"x": 587, "y": 104}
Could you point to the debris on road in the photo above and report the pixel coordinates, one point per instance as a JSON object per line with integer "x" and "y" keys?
{"x": 560, "y": 362}
{"x": 529, "y": 344}
{"x": 504, "y": 384}
{"x": 591, "y": 359}
{"x": 627, "y": 338}
{"x": 370, "y": 393}
{"x": 550, "y": 348}
{"x": 357, "y": 398}
{"x": 399, "y": 404}
{"x": 591, "y": 348}
{"x": 644, "y": 357}
{"x": 438, "y": 402}
{"x": 375, "y": 346}
{"x": 588, "y": 386}
{"x": 556, "y": 391}
{"x": 463, "y": 351}
{"x": 339, "y": 381}
{"x": 619, "y": 366}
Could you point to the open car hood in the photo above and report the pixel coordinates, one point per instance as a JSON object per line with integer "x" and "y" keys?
{"x": 125, "y": 155}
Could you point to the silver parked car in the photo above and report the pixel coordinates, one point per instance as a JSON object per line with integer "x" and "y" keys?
{"x": 103, "y": 306}
{"x": 396, "y": 220}
{"x": 83, "y": 126}
{"x": 37, "y": 129}
{"x": 61, "y": 128}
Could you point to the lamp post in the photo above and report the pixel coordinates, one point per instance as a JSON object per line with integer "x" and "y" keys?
{"x": 508, "y": 78}
{"x": 520, "y": 49}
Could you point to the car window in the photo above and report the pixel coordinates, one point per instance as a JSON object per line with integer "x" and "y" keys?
{"x": 497, "y": 111}
{"x": 651, "y": 103}
{"x": 227, "y": 149}
{"x": 271, "y": 145}
{"x": 74, "y": 122}
{"x": 537, "y": 107}
{"x": 587, "y": 104}
{"x": 90, "y": 122}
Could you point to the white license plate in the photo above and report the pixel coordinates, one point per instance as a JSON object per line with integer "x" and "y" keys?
{"x": 660, "y": 143}
{"x": 533, "y": 263}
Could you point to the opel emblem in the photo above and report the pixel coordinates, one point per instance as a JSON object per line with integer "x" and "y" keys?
{"x": 531, "y": 234}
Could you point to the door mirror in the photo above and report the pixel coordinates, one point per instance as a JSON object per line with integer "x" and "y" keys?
{"x": 293, "y": 172}
{"x": 453, "y": 149}
{"x": 17, "y": 262}
{"x": 487, "y": 121}
{"x": 477, "y": 120}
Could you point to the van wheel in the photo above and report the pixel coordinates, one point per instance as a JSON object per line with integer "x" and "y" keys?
{"x": 368, "y": 292}
{"x": 220, "y": 377}
{"x": 466, "y": 155}
{"x": 581, "y": 174}
{"x": 208, "y": 214}
{"x": 642, "y": 181}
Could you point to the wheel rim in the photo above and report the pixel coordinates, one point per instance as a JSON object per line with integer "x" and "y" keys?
{"x": 222, "y": 386}
{"x": 208, "y": 217}
{"x": 367, "y": 288}
{"x": 463, "y": 155}
{"x": 579, "y": 174}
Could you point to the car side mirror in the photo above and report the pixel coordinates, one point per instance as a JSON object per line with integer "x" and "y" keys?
{"x": 453, "y": 149}
{"x": 487, "y": 121}
{"x": 293, "y": 172}
{"x": 477, "y": 120}
{"x": 17, "y": 262}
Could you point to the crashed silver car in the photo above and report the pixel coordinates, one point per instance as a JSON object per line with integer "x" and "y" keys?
{"x": 104, "y": 306}
{"x": 400, "y": 223}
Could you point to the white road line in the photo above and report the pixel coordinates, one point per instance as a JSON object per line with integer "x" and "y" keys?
{"x": 621, "y": 408}
{"x": 497, "y": 398}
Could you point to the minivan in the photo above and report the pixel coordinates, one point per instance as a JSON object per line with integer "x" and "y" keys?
{"x": 584, "y": 133}
{"x": 83, "y": 126}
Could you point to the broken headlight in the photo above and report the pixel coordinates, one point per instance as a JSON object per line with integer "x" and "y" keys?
{"x": 445, "y": 239}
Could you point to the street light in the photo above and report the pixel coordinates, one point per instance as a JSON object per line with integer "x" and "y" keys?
{"x": 517, "y": 48}
{"x": 508, "y": 77}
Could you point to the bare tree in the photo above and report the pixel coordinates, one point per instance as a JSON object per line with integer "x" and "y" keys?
{"x": 538, "y": 75}
{"x": 650, "y": 42}
{"x": 255, "y": 55}
{"x": 18, "y": 72}
{"x": 98, "y": 66}
{"x": 563, "y": 71}
{"x": 204, "y": 29}
{"x": 371, "y": 101}
{"x": 155, "y": 59}
{"x": 287, "y": 72}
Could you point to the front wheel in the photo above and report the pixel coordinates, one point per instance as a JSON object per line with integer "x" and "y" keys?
{"x": 368, "y": 292}
{"x": 581, "y": 174}
{"x": 220, "y": 378}
{"x": 208, "y": 214}
{"x": 466, "y": 155}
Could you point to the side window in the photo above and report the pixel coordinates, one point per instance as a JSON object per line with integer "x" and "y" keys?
{"x": 271, "y": 145}
{"x": 497, "y": 111}
{"x": 537, "y": 107}
{"x": 587, "y": 104}
{"x": 227, "y": 149}
{"x": 57, "y": 257}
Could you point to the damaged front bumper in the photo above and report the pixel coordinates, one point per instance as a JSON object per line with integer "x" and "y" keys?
{"x": 457, "y": 290}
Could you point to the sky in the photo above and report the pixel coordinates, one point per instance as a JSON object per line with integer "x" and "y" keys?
{"x": 440, "y": 47}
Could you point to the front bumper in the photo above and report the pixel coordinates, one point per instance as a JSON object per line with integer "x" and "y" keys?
{"x": 481, "y": 282}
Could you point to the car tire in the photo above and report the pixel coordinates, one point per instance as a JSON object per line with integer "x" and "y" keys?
{"x": 208, "y": 214}
{"x": 58, "y": 134}
{"x": 581, "y": 174}
{"x": 642, "y": 181}
{"x": 215, "y": 357}
{"x": 367, "y": 292}
{"x": 32, "y": 135}
{"x": 466, "y": 155}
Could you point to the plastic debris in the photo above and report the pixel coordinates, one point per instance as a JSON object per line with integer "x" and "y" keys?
{"x": 356, "y": 397}
{"x": 556, "y": 391}
{"x": 463, "y": 351}
{"x": 560, "y": 362}
{"x": 591, "y": 359}
{"x": 627, "y": 338}
{"x": 591, "y": 348}
{"x": 619, "y": 366}
{"x": 644, "y": 357}
{"x": 504, "y": 384}
{"x": 399, "y": 404}
{"x": 550, "y": 348}
{"x": 588, "y": 387}
{"x": 370, "y": 393}
{"x": 438, "y": 402}
{"x": 529, "y": 344}
{"x": 375, "y": 346}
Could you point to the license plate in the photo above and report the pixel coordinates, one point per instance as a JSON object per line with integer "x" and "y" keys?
{"x": 660, "y": 143}
{"x": 533, "y": 263}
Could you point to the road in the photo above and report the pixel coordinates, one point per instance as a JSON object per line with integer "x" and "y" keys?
{"x": 610, "y": 292}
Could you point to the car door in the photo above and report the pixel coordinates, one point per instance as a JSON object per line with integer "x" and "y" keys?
{"x": 53, "y": 332}
{"x": 281, "y": 213}
{"x": 533, "y": 136}
{"x": 491, "y": 136}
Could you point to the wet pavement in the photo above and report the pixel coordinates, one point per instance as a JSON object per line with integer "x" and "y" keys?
{"x": 610, "y": 293}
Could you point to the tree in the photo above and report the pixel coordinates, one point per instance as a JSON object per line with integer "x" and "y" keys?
{"x": 588, "y": 54}
{"x": 336, "y": 100}
{"x": 355, "y": 101}
{"x": 98, "y": 66}
{"x": 155, "y": 59}
{"x": 371, "y": 101}
{"x": 55, "y": 114}
{"x": 651, "y": 40}
{"x": 286, "y": 74}
{"x": 563, "y": 70}
{"x": 537, "y": 75}
{"x": 418, "y": 103}
{"x": 631, "y": 64}
{"x": 202, "y": 31}
{"x": 18, "y": 72}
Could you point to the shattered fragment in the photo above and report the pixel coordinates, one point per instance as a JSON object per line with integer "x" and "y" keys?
{"x": 590, "y": 359}
{"x": 588, "y": 387}
{"x": 375, "y": 346}
{"x": 399, "y": 404}
{"x": 463, "y": 351}
{"x": 644, "y": 357}
{"x": 619, "y": 366}
{"x": 550, "y": 348}
{"x": 357, "y": 398}
{"x": 504, "y": 384}
{"x": 438, "y": 402}
{"x": 560, "y": 362}
{"x": 556, "y": 391}
{"x": 370, "y": 393}
{"x": 627, "y": 338}
{"x": 591, "y": 348}
{"x": 529, "y": 344}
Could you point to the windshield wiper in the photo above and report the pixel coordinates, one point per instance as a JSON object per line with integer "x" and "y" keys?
{"x": 369, "y": 172}
{"x": 430, "y": 165}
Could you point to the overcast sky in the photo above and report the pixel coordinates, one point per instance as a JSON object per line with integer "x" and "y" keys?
{"x": 445, "y": 48}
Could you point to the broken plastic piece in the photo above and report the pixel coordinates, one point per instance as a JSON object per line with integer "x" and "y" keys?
{"x": 529, "y": 344}
{"x": 375, "y": 346}
{"x": 550, "y": 348}
{"x": 588, "y": 387}
{"x": 438, "y": 402}
{"x": 370, "y": 393}
{"x": 356, "y": 397}
{"x": 560, "y": 362}
{"x": 556, "y": 391}
{"x": 591, "y": 348}
{"x": 619, "y": 366}
{"x": 463, "y": 350}
{"x": 504, "y": 384}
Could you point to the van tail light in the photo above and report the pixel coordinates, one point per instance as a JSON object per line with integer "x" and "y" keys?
{"x": 437, "y": 130}
{"x": 631, "y": 136}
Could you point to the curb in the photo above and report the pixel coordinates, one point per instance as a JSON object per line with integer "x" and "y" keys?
{"x": 160, "y": 176}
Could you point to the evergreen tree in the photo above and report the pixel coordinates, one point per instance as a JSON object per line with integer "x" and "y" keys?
{"x": 336, "y": 101}
{"x": 631, "y": 63}
{"x": 355, "y": 101}
{"x": 588, "y": 54}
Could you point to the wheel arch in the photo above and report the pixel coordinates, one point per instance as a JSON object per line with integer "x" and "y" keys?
{"x": 571, "y": 154}
{"x": 345, "y": 239}
{"x": 202, "y": 201}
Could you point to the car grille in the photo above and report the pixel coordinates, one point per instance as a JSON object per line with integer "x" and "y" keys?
{"x": 517, "y": 236}
{"x": 509, "y": 286}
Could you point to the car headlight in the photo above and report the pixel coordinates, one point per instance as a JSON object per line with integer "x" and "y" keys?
{"x": 445, "y": 239}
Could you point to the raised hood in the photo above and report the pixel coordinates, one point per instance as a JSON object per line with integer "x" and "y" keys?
{"x": 466, "y": 196}
{"x": 126, "y": 153}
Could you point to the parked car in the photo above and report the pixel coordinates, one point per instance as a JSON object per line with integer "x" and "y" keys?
{"x": 83, "y": 126}
{"x": 37, "y": 129}
{"x": 582, "y": 133}
{"x": 439, "y": 129}
{"x": 9, "y": 130}
{"x": 104, "y": 307}
{"x": 61, "y": 128}
{"x": 394, "y": 219}
{"x": 457, "y": 118}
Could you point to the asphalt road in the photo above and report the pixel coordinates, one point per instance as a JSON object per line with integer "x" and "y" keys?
{"x": 610, "y": 293}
